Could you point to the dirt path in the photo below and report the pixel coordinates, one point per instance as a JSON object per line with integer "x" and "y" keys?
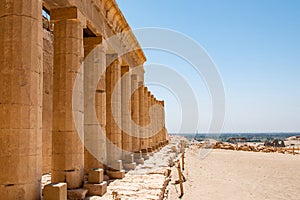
{"x": 239, "y": 175}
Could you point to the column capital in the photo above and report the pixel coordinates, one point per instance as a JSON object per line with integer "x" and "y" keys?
{"x": 89, "y": 43}
{"x": 66, "y": 13}
{"x": 124, "y": 69}
{"x": 140, "y": 83}
{"x": 134, "y": 77}
{"x": 111, "y": 57}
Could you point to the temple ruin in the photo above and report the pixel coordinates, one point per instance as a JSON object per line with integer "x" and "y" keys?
{"x": 73, "y": 101}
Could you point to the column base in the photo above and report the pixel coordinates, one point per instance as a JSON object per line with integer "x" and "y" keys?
{"x": 73, "y": 178}
{"x": 140, "y": 161}
{"x": 95, "y": 175}
{"x": 116, "y": 165}
{"x": 55, "y": 191}
{"x": 138, "y": 155}
{"x": 116, "y": 174}
{"x": 129, "y": 158}
{"x": 129, "y": 166}
{"x": 98, "y": 189}
{"x": 76, "y": 194}
{"x": 145, "y": 154}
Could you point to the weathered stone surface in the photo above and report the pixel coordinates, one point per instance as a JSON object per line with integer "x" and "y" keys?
{"x": 94, "y": 99}
{"x": 139, "y": 161}
{"x": 113, "y": 131}
{"x": 135, "y": 113}
{"x": 47, "y": 99}
{"x": 55, "y": 191}
{"x": 147, "y": 181}
{"x": 125, "y": 109}
{"x": 53, "y": 113}
{"x": 128, "y": 158}
{"x": 129, "y": 166}
{"x": 95, "y": 175}
{"x": 21, "y": 64}
{"x": 77, "y": 194}
{"x": 96, "y": 189}
{"x": 74, "y": 179}
{"x": 68, "y": 151}
{"x": 116, "y": 174}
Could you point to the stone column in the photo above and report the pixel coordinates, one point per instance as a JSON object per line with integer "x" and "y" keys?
{"x": 149, "y": 121}
{"x": 125, "y": 109}
{"x": 164, "y": 130}
{"x": 154, "y": 126}
{"x": 135, "y": 113}
{"x": 20, "y": 99}
{"x": 47, "y": 99}
{"x": 128, "y": 157}
{"x": 113, "y": 131}
{"x": 94, "y": 100}
{"x": 68, "y": 151}
{"x": 142, "y": 118}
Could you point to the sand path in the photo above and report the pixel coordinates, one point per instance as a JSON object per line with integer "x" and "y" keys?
{"x": 240, "y": 175}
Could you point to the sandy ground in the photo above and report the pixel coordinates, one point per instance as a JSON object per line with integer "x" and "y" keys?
{"x": 238, "y": 175}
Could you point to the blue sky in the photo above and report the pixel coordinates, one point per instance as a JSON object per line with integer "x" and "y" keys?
{"x": 255, "y": 46}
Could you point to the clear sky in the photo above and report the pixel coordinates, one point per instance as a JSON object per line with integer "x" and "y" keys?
{"x": 255, "y": 45}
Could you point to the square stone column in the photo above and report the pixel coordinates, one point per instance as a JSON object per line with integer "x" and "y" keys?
{"x": 163, "y": 132}
{"x": 94, "y": 104}
{"x": 113, "y": 131}
{"x": 149, "y": 122}
{"x": 146, "y": 122}
{"x": 21, "y": 86}
{"x": 154, "y": 124}
{"x": 68, "y": 107}
{"x": 125, "y": 109}
{"x": 135, "y": 113}
{"x": 47, "y": 99}
{"x": 142, "y": 116}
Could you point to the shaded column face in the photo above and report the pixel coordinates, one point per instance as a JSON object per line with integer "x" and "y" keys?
{"x": 113, "y": 131}
{"x": 125, "y": 109}
{"x": 158, "y": 120}
{"x": 68, "y": 151}
{"x": 154, "y": 122}
{"x": 47, "y": 99}
{"x": 142, "y": 116}
{"x": 94, "y": 100}
{"x": 164, "y": 130}
{"x": 135, "y": 113}
{"x": 149, "y": 120}
{"x": 20, "y": 99}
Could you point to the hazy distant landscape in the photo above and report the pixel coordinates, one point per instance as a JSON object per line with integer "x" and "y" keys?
{"x": 225, "y": 137}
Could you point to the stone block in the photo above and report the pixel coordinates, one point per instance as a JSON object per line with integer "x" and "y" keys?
{"x": 29, "y": 191}
{"x": 149, "y": 149}
{"x": 55, "y": 191}
{"x": 95, "y": 175}
{"x": 144, "y": 151}
{"x": 140, "y": 161}
{"x": 74, "y": 179}
{"x": 116, "y": 174}
{"x": 129, "y": 166}
{"x": 129, "y": 158}
{"x": 146, "y": 156}
{"x": 96, "y": 189}
{"x": 117, "y": 165}
{"x": 138, "y": 155}
{"x": 76, "y": 194}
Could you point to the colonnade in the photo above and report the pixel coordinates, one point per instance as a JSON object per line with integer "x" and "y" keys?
{"x": 62, "y": 111}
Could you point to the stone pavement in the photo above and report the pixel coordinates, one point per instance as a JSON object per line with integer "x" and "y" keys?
{"x": 147, "y": 181}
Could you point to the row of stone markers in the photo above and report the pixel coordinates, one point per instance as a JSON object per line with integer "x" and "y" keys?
{"x": 72, "y": 101}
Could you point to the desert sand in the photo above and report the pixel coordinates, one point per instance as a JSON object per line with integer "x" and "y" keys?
{"x": 224, "y": 174}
